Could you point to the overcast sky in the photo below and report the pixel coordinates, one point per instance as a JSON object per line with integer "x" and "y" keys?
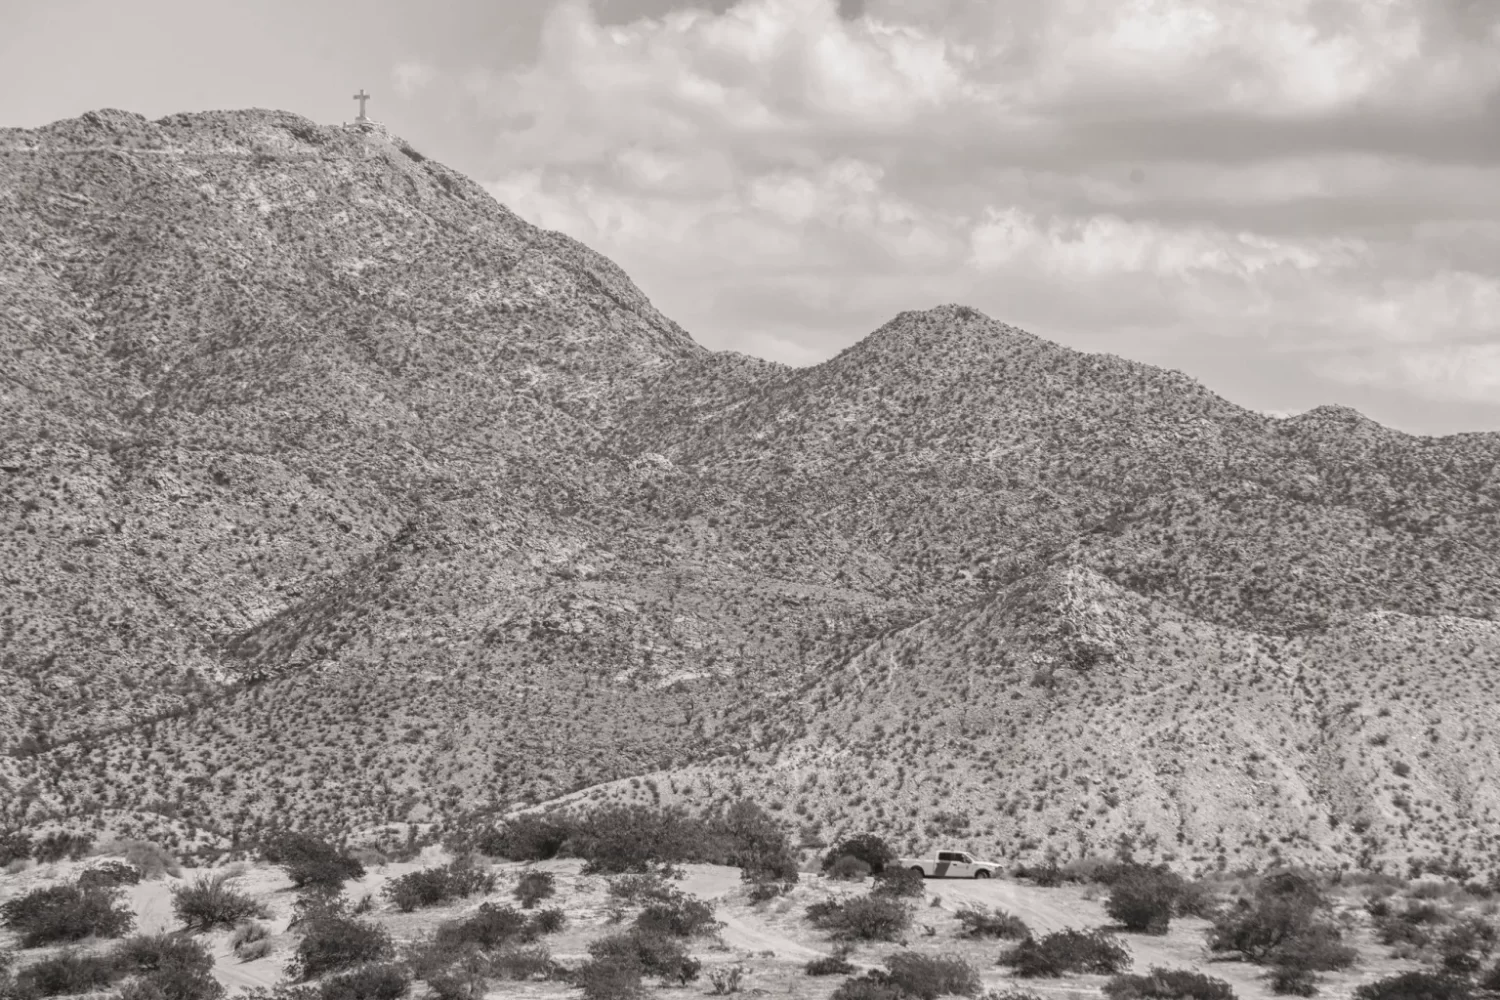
{"x": 1295, "y": 201}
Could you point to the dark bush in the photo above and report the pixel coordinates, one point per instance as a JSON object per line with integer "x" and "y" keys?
{"x": 523, "y": 964}
{"x": 534, "y": 887}
{"x": 1465, "y": 945}
{"x": 1066, "y": 951}
{"x": 1285, "y": 906}
{"x": 384, "y": 981}
{"x": 63, "y": 913}
{"x": 488, "y": 927}
{"x": 610, "y": 978}
{"x": 623, "y": 839}
{"x": 828, "y": 965}
{"x": 873, "y": 985}
{"x": 1144, "y": 899}
{"x": 849, "y": 869}
{"x": 981, "y": 923}
{"x": 931, "y": 976}
{"x": 1168, "y": 984}
{"x": 548, "y": 921}
{"x": 311, "y": 861}
{"x": 1291, "y": 982}
{"x": 154, "y": 952}
{"x": 652, "y": 954}
{"x": 1490, "y": 980}
{"x": 1318, "y": 947}
{"x": 525, "y": 838}
{"x": 435, "y": 886}
{"x": 1414, "y": 924}
{"x": 67, "y": 973}
{"x": 250, "y": 940}
{"x": 682, "y": 917}
{"x": 867, "y": 847}
{"x": 174, "y": 983}
{"x": 209, "y": 902}
{"x": 108, "y": 875}
{"x": 58, "y": 845}
{"x": 333, "y": 944}
{"x": 637, "y": 889}
{"x": 1416, "y": 986}
{"x": 899, "y": 882}
{"x": 864, "y": 918}
{"x": 14, "y": 846}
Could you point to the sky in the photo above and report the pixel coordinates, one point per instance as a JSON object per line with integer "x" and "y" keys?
{"x": 1296, "y": 202}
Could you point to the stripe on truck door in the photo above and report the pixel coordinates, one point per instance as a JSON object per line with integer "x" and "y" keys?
{"x": 941, "y": 871}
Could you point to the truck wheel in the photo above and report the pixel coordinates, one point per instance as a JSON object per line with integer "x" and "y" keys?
{"x": 918, "y": 870}
{"x": 981, "y": 873}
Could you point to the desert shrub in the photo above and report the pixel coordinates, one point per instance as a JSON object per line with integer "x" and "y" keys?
{"x": 1168, "y": 984}
{"x": 899, "y": 882}
{"x": 683, "y": 917}
{"x": 525, "y": 838}
{"x": 109, "y": 874}
{"x": 1287, "y": 981}
{"x": 849, "y": 869}
{"x": 637, "y": 889}
{"x": 1416, "y": 986}
{"x": 174, "y": 983}
{"x": 982, "y": 923}
{"x": 612, "y": 978}
{"x": 1066, "y": 951}
{"x": 384, "y": 981}
{"x": 490, "y": 926}
{"x": 63, "y": 913}
{"x": 548, "y": 921}
{"x": 148, "y": 953}
{"x": 867, "y": 847}
{"x": 14, "y": 846}
{"x": 66, "y": 973}
{"x": 332, "y": 944}
{"x": 534, "y": 887}
{"x": 210, "y": 902}
{"x": 250, "y": 940}
{"x": 435, "y": 886}
{"x": 828, "y": 965}
{"x": 873, "y": 985}
{"x": 1464, "y": 946}
{"x": 150, "y": 859}
{"x": 1144, "y": 899}
{"x": 650, "y": 952}
{"x": 1318, "y": 947}
{"x": 623, "y": 839}
{"x": 58, "y": 845}
{"x": 931, "y": 976}
{"x": 1284, "y": 907}
{"x": 310, "y": 861}
{"x": 1414, "y": 924}
{"x": 865, "y": 918}
{"x": 317, "y": 902}
{"x": 726, "y": 979}
{"x": 534, "y": 962}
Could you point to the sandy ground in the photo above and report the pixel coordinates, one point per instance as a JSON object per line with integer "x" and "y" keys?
{"x": 770, "y": 939}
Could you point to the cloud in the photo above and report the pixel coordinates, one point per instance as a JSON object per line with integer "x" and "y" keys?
{"x": 1314, "y": 177}
{"x": 411, "y": 77}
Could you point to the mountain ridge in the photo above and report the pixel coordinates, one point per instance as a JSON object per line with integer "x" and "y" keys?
{"x": 328, "y": 464}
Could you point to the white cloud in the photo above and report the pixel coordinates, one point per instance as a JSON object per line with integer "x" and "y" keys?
{"x": 411, "y": 77}
{"x": 1297, "y": 173}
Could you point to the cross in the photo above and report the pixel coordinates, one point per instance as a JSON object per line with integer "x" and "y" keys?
{"x": 361, "y": 97}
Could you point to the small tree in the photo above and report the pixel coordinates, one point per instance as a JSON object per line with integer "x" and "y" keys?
{"x": 1168, "y": 984}
{"x": 1066, "y": 951}
{"x": 62, "y": 913}
{"x": 1144, "y": 899}
{"x": 1416, "y": 986}
{"x": 332, "y": 944}
{"x": 310, "y": 861}
{"x": 535, "y": 886}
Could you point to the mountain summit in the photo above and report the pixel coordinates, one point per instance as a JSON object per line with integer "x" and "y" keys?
{"x": 337, "y": 494}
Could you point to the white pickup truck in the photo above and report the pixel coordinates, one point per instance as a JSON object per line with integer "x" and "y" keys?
{"x": 950, "y": 864}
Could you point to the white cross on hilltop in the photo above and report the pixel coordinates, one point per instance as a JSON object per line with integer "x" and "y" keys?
{"x": 362, "y": 97}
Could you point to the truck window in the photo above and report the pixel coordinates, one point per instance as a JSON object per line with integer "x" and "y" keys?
{"x": 949, "y": 856}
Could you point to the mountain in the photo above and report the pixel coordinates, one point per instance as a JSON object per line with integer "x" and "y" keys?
{"x": 339, "y": 495}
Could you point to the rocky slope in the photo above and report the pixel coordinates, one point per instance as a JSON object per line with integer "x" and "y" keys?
{"x": 338, "y": 494}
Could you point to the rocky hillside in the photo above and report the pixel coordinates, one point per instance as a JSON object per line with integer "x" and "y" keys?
{"x": 339, "y": 494}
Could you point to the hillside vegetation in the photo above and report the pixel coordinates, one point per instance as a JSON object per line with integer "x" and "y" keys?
{"x": 335, "y": 494}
